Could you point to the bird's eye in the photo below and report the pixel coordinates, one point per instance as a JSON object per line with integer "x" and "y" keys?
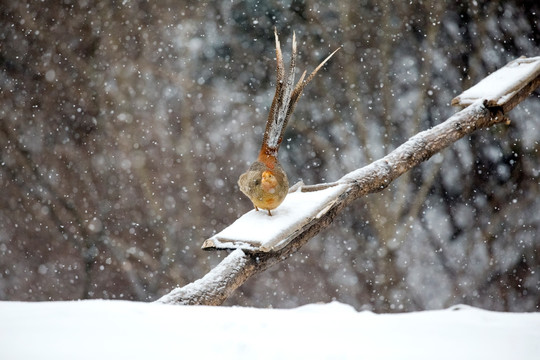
{"x": 257, "y": 182}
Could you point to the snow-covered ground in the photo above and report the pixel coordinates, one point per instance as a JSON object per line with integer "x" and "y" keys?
{"x": 99, "y": 329}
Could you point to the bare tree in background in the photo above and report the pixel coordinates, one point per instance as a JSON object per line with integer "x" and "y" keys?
{"x": 123, "y": 129}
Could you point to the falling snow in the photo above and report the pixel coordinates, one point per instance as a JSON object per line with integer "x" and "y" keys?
{"x": 124, "y": 127}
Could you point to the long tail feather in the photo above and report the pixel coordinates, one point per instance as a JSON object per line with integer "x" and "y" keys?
{"x": 284, "y": 101}
{"x": 302, "y": 84}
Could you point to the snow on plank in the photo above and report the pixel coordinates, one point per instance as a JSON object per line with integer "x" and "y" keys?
{"x": 502, "y": 85}
{"x": 257, "y": 231}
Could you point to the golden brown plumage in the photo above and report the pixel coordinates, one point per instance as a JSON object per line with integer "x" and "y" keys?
{"x": 265, "y": 187}
{"x": 265, "y": 182}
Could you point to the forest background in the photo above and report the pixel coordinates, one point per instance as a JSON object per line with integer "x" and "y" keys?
{"x": 125, "y": 125}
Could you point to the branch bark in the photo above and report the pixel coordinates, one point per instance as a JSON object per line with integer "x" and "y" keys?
{"x": 239, "y": 266}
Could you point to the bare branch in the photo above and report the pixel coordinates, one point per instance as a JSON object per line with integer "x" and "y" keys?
{"x": 239, "y": 266}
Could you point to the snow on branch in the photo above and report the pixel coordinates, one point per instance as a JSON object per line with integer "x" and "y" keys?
{"x": 501, "y": 87}
{"x": 304, "y": 223}
{"x": 214, "y": 287}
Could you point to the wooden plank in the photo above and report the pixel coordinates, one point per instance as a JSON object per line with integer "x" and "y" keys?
{"x": 256, "y": 231}
{"x": 501, "y": 89}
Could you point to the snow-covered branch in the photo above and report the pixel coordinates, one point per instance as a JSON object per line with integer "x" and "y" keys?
{"x": 240, "y": 265}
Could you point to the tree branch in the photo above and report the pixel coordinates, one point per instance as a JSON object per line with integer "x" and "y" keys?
{"x": 236, "y": 268}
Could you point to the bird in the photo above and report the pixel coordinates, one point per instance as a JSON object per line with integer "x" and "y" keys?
{"x": 265, "y": 182}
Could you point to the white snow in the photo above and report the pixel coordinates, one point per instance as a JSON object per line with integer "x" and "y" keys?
{"x": 503, "y": 83}
{"x": 101, "y": 329}
{"x": 257, "y": 229}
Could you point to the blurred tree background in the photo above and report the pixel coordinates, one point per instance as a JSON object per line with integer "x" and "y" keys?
{"x": 125, "y": 125}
